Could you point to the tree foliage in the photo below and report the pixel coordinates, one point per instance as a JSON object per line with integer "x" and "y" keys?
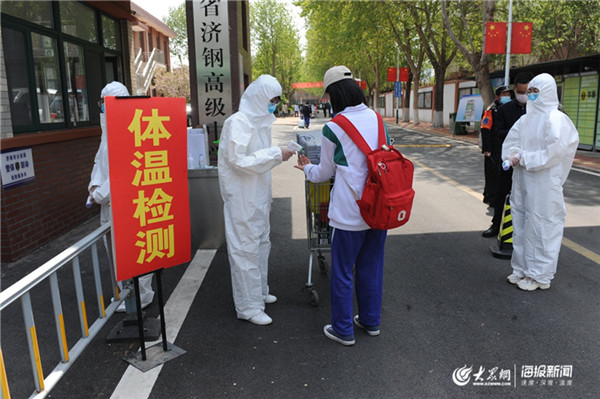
{"x": 176, "y": 21}
{"x": 350, "y": 33}
{"x": 275, "y": 43}
{"x": 473, "y": 16}
{"x": 173, "y": 84}
{"x": 561, "y": 29}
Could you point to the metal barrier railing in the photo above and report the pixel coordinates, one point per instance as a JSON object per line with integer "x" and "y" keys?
{"x": 48, "y": 271}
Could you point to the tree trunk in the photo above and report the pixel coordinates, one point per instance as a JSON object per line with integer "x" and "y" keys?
{"x": 416, "y": 119}
{"x": 406, "y": 100}
{"x": 438, "y": 98}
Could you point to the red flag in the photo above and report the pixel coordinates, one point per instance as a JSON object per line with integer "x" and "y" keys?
{"x": 520, "y": 39}
{"x": 495, "y": 37}
{"x": 391, "y": 74}
{"x": 404, "y": 74}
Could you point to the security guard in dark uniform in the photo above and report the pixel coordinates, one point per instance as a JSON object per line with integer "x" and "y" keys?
{"x": 504, "y": 119}
{"x": 488, "y": 133}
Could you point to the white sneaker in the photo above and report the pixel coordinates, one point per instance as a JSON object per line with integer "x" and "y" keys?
{"x": 528, "y": 284}
{"x": 270, "y": 299}
{"x": 121, "y": 308}
{"x": 261, "y": 319}
{"x": 514, "y": 279}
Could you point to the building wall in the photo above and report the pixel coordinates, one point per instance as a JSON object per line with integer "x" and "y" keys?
{"x": 54, "y": 202}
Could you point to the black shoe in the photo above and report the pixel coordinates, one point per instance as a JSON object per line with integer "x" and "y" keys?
{"x": 491, "y": 232}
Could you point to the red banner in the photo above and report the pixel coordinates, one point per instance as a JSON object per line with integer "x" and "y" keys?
{"x": 310, "y": 85}
{"x": 306, "y": 85}
{"x": 520, "y": 38}
{"x": 147, "y": 146}
{"x": 495, "y": 37}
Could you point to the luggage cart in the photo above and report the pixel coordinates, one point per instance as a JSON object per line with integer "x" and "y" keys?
{"x": 318, "y": 230}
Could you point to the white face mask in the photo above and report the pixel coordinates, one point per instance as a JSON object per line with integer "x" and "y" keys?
{"x": 522, "y": 98}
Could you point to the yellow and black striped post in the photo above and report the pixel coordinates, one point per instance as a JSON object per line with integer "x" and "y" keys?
{"x": 503, "y": 249}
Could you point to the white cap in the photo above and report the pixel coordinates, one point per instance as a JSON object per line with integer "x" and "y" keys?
{"x": 335, "y": 74}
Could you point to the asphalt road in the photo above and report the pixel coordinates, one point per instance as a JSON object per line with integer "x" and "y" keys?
{"x": 446, "y": 307}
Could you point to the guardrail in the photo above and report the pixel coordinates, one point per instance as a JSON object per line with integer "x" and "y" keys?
{"x": 48, "y": 271}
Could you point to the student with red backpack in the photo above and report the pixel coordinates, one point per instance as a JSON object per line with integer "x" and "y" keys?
{"x": 355, "y": 245}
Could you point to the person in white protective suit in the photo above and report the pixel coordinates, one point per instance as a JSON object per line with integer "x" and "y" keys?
{"x": 541, "y": 147}
{"x": 99, "y": 186}
{"x": 246, "y": 158}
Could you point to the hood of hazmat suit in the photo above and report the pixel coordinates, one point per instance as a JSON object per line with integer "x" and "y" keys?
{"x": 246, "y": 158}
{"x": 546, "y": 141}
{"x": 100, "y": 171}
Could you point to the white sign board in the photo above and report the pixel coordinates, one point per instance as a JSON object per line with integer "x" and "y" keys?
{"x": 213, "y": 62}
{"x": 17, "y": 167}
{"x": 470, "y": 108}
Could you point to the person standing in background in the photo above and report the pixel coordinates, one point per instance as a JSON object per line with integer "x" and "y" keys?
{"x": 488, "y": 132}
{"x": 99, "y": 186}
{"x": 506, "y": 116}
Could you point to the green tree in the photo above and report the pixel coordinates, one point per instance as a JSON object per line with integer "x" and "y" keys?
{"x": 275, "y": 43}
{"x": 561, "y": 29}
{"x": 176, "y": 21}
{"x": 439, "y": 48}
{"x": 173, "y": 84}
{"x": 399, "y": 19}
{"x": 472, "y": 16}
{"x": 351, "y": 33}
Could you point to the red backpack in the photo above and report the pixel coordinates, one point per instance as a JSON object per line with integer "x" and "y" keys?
{"x": 388, "y": 194}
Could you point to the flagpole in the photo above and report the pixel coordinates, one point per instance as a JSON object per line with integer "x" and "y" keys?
{"x": 507, "y": 66}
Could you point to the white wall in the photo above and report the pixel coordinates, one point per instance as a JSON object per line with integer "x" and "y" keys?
{"x": 426, "y": 115}
{"x": 450, "y": 93}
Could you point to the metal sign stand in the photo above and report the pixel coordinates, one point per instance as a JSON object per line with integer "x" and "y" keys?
{"x": 147, "y": 360}
{"x": 128, "y": 329}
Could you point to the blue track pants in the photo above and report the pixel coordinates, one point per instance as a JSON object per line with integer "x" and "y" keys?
{"x": 363, "y": 252}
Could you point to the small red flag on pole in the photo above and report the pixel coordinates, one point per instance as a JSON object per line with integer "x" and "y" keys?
{"x": 520, "y": 40}
{"x": 391, "y": 74}
{"x": 495, "y": 37}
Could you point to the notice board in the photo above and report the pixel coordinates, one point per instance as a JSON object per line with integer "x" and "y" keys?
{"x": 147, "y": 152}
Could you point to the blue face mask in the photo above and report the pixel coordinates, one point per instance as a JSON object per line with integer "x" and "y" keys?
{"x": 272, "y": 108}
{"x": 102, "y": 108}
{"x": 504, "y": 100}
{"x": 532, "y": 96}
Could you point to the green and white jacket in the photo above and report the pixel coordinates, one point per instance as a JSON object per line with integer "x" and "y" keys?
{"x": 343, "y": 160}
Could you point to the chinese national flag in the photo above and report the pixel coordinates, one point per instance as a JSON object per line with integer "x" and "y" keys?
{"x": 391, "y": 74}
{"x": 495, "y": 37}
{"x": 520, "y": 39}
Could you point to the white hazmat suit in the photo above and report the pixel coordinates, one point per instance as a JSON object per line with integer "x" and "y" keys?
{"x": 543, "y": 142}
{"x": 246, "y": 158}
{"x": 100, "y": 184}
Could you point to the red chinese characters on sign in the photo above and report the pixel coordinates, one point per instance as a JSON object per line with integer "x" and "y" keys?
{"x": 147, "y": 145}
